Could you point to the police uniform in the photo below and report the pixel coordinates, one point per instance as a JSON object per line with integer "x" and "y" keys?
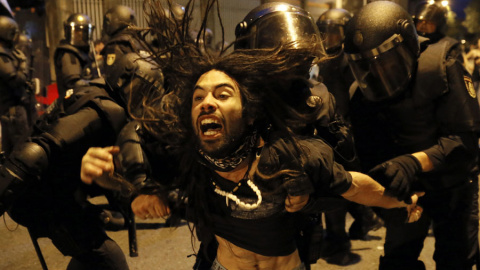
{"x": 73, "y": 67}
{"x": 439, "y": 115}
{"x": 119, "y": 44}
{"x": 54, "y": 203}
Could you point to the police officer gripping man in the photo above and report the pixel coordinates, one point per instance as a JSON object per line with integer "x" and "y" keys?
{"x": 416, "y": 119}
{"x": 73, "y": 65}
{"x": 40, "y": 181}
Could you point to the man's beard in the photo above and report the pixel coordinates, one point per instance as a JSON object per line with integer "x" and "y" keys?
{"x": 228, "y": 144}
{"x": 231, "y": 152}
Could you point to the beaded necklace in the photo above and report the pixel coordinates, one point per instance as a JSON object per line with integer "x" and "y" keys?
{"x": 231, "y": 196}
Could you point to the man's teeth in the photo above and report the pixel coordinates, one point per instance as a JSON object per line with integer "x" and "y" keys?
{"x": 209, "y": 121}
{"x": 211, "y": 132}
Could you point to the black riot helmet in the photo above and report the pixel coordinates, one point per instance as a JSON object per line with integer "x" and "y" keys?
{"x": 78, "y": 30}
{"x": 382, "y": 47}
{"x": 431, "y": 20}
{"x": 118, "y": 18}
{"x": 133, "y": 77}
{"x": 273, "y": 24}
{"x": 331, "y": 25}
{"x": 8, "y": 30}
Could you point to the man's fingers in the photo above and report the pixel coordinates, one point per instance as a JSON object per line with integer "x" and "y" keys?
{"x": 105, "y": 153}
{"x": 112, "y": 149}
{"x": 415, "y": 214}
{"x": 149, "y": 206}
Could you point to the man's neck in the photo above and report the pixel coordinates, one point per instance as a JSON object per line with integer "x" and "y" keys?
{"x": 236, "y": 174}
{"x": 240, "y": 171}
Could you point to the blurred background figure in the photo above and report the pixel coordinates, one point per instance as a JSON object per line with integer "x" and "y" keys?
{"x": 73, "y": 64}
{"x": 23, "y": 43}
{"x": 205, "y": 41}
{"x": 471, "y": 60}
{"x": 431, "y": 22}
{"x": 13, "y": 86}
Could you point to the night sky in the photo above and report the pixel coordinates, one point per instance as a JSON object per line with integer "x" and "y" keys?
{"x": 458, "y": 5}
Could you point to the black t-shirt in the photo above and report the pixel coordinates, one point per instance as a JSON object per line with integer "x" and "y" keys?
{"x": 269, "y": 229}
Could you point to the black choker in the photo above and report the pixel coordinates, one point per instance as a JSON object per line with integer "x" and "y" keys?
{"x": 231, "y": 161}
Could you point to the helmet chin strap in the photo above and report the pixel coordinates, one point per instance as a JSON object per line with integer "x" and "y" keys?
{"x": 234, "y": 159}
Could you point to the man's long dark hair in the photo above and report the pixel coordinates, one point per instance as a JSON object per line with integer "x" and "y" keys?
{"x": 265, "y": 78}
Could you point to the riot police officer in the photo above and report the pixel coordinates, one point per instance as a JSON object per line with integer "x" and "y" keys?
{"x": 118, "y": 22}
{"x": 13, "y": 86}
{"x": 431, "y": 20}
{"x": 24, "y": 44}
{"x": 73, "y": 65}
{"x": 416, "y": 121}
{"x": 337, "y": 76}
{"x": 40, "y": 182}
{"x": 331, "y": 25}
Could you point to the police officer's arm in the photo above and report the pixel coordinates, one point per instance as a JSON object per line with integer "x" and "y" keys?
{"x": 31, "y": 159}
{"x": 99, "y": 161}
{"x": 71, "y": 70}
{"x": 134, "y": 165}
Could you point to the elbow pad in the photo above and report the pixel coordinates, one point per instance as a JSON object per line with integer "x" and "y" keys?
{"x": 30, "y": 159}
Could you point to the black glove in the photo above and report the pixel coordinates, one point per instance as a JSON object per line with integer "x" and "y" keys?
{"x": 397, "y": 176}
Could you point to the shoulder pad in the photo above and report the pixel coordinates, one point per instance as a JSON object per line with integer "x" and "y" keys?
{"x": 431, "y": 71}
{"x": 71, "y": 49}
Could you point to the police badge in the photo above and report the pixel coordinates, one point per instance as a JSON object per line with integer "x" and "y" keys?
{"x": 469, "y": 86}
{"x": 110, "y": 59}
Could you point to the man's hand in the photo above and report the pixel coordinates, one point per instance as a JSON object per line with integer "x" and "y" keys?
{"x": 150, "y": 206}
{"x": 295, "y": 203}
{"x": 414, "y": 211}
{"x": 397, "y": 175}
{"x": 96, "y": 162}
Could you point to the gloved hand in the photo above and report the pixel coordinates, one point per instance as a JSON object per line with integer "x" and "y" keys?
{"x": 397, "y": 176}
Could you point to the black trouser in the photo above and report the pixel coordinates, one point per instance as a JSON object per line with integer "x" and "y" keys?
{"x": 74, "y": 228}
{"x": 453, "y": 214}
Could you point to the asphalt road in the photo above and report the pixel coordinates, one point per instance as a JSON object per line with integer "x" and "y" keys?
{"x": 162, "y": 248}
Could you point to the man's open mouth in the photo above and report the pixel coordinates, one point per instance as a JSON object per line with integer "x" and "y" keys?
{"x": 210, "y": 126}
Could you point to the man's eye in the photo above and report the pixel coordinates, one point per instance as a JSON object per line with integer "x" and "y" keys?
{"x": 223, "y": 96}
{"x": 198, "y": 98}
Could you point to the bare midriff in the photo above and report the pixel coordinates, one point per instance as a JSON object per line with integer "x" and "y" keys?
{"x": 233, "y": 257}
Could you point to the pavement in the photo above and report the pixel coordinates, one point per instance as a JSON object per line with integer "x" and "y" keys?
{"x": 160, "y": 247}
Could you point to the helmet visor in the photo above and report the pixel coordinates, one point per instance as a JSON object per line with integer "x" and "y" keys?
{"x": 384, "y": 75}
{"x": 282, "y": 28}
{"x": 81, "y": 35}
{"x": 332, "y": 35}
